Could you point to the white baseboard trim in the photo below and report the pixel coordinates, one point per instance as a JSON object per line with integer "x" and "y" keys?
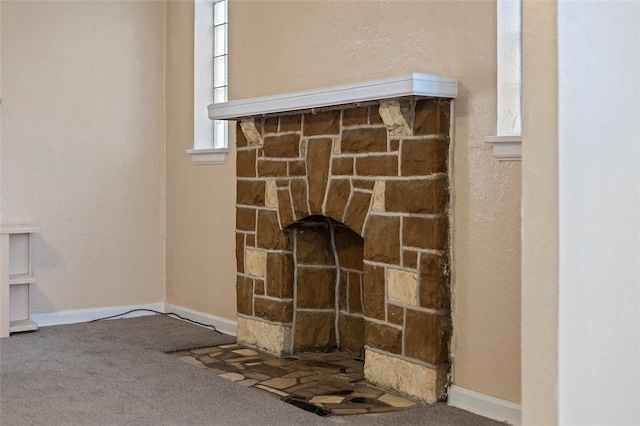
{"x": 485, "y": 405}
{"x": 223, "y": 325}
{"x": 73, "y": 316}
{"x": 83, "y": 315}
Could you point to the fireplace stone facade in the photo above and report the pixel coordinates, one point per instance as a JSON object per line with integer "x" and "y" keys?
{"x": 342, "y": 237}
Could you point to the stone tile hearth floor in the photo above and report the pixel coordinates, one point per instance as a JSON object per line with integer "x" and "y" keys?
{"x": 322, "y": 383}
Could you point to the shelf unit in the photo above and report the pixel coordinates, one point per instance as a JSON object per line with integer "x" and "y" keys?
{"x": 16, "y": 279}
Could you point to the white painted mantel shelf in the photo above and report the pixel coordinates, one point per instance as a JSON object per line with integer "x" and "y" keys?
{"x": 414, "y": 84}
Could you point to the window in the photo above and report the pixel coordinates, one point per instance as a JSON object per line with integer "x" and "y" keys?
{"x": 507, "y": 143}
{"x": 210, "y": 145}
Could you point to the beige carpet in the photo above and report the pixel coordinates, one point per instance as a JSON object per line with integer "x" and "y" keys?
{"x": 118, "y": 372}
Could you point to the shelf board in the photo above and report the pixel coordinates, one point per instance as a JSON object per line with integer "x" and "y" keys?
{"x": 22, "y": 279}
{"x": 18, "y": 229}
{"x": 22, "y": 325}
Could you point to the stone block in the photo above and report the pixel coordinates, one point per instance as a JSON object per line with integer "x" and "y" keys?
{"x": 299, "y": 195}
{"x": 366, "y": 185}
{"x": 240, "y": 252}
{"x": 255, "y": 261}
{"x": 337, "y": 149}
{"x": 431, "y": 117}
{"x": 434, "y": 282}
{"x": 313, "y": 246}
{"x": 314, "y": 331}
{"x": 378, "y": 196}
{"x": 410, "y": 259}
{"x": 394, "y": 145}
{"x": 351, "y": 332}
{"x": 245, "y": 219}
{"x": 272, "y": 338}
{"x": 342, "y": 166}
{"x": 285, "y": 212}
{"x": 395, "y": 314}
{"x": 270, "y": 125}
{"x": 258, "y": 287}
{"x": 382, "y": 239}
{"x": 322, "y": 123}
{"x": 343, "y": 287}
{"x": 402, "y": 286}
{"x": 417, "y": 196}
{"x": 350, "y": 247}
{"x": 364, "y": 140}
{"x": 270, "y": 194}
{"x": 374, "y": 115}
{"x": 427, "y": 337}
{"x": 377, "y": 165}
{"x": 252, "y": 131}
{"x": 424, "y": 157}
{"x": 384, "y": 337}
{"x": 250, "y": 240}
{"x": 291, "y": 123}
{"x": 357, "y": 210}
{"x": 316, "y": 288}
{"x": 259, "y": 123}
{"x": 273, "y": 310}
{"x": 355, "y": 116}
{"x": 250, "y": 192}
{"x": 269, "y": 234}
{"x": 396, "y": 115}
{"x": 418, "y": 381}
{"x": 244, "y": 295}
{"x": 425, "y": 233}
{"x": 337, "y": 198}
{"x": 271, "y": 168}
{"x": 297, "y": 168}
{"x": 241, "y": 140}
{"x": 373, "y": 292}
{"x": 282, "y": 146}
{"x": 280, "y": 275}
{"x": 246, "y": 163}
{"x": 355, "y": 293}
{"x": 318, "y": 160}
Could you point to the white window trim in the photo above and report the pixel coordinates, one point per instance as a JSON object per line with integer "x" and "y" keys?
{"x": 203, "y": 151}
{"x": 507, "y": 143}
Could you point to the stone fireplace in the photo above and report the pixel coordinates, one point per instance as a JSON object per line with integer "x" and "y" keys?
{"x": 342, "y": 233}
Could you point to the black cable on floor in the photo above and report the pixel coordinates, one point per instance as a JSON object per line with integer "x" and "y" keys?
{"x": 155, "y": 312}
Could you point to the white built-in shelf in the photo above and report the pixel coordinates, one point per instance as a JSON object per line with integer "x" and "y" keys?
{"x": 22, "y": 279}
{"x": 16, "y": 279}
{"x": 415, "y": 84}
{"x": 22, "y": 325}
{"x": 19, "y": 229}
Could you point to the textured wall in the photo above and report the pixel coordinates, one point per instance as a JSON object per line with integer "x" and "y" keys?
{"x": 83, "y": 149}
{"x": 200, "y": 199}
{"x": 283, "y": 46}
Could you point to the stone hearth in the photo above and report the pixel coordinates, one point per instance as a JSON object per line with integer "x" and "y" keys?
{"x": 342, "y": 236}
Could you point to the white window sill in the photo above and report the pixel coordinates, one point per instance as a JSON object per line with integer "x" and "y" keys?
{"x": 208, "y": 156}
{"x": 506, "y": 148}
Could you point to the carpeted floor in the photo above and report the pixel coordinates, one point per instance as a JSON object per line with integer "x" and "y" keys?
{"x": 118, "y": 372}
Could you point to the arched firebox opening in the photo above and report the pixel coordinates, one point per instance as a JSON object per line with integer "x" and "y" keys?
{"x": 328, "y": 294}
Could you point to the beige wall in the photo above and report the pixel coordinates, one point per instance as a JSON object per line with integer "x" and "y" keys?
{"x": 83, "y": 148}
{"x": 284, "y": 46}
{"x": 200, "y": 199}
{"x": 540, "y": 215}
